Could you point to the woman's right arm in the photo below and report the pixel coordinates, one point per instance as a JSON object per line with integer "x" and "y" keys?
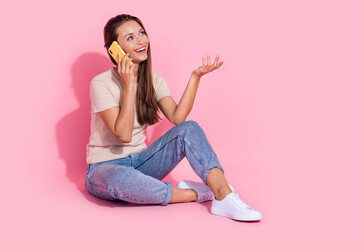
{"x": 120, "y": 121}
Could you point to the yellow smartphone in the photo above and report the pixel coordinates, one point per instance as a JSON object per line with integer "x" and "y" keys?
{"x": 114, "y": 49}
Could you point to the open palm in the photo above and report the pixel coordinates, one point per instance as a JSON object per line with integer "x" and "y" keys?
{"x": 207, "y": 66}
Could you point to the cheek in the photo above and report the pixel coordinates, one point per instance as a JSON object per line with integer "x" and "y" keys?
{"x": 145, "y": 39}
{"x": 126, "y": 47}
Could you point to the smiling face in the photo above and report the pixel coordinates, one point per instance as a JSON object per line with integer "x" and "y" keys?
{"x": 132, "y": 38}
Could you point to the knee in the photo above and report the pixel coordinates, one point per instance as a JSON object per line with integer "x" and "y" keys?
{"x": 191, "y": 126}
{"x": 191, "y": 129}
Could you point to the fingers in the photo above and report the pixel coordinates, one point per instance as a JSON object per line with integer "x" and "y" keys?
{"x": 208, "y": 67}
{"x": 208, "y": 60}
{"x": 220, "y": 63}
{"x": 124, "y": 64}
{"x": 132, "y": 67}
{"x": 216, "y": 59}
{"x": 119, "y": 62}
{"x": 127, "y": 63}
{"x": 217, "y": 64}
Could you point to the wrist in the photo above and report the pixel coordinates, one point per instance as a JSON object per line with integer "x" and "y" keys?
{"x": 194, "y": 76}
{"x": 129, "y": 87}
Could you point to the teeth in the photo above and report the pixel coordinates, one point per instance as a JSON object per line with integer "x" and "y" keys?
{"x": 140, "y": 49}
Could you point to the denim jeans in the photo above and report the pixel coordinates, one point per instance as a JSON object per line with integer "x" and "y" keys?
{"x": 137, "y": 178}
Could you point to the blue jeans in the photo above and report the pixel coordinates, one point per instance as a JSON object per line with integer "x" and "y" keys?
{"x": 137, "y": 178}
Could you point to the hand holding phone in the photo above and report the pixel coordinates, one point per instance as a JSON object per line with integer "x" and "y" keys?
{"x": 114, "y": 49}
{"x": 125, "y": 67}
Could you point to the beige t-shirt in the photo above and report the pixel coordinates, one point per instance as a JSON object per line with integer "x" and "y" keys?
{"x": 106, "y": 91}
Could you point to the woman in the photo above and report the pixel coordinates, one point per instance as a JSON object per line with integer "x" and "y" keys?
{"x": 124, "y": 100}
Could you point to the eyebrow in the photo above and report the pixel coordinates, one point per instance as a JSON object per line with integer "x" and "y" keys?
{"x": 132, "y": 33}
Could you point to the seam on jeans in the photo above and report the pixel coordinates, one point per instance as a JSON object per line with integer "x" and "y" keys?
{"x": 131, "y": 160}
{"x": 89, "y": 179}
{"x": 169, "y": 187}
{"x": 89, "y": 183}
{"x": 157, "y": 150}
{"x": 194, "y": 152}
{"x": 206, "y": 171}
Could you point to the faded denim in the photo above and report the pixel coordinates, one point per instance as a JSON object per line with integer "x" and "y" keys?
{"x": 137, "y": 178}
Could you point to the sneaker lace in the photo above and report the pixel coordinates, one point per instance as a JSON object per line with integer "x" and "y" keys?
{"x": 238, "y": 202}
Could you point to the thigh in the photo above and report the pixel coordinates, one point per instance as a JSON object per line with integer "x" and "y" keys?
{"x": 162, "y": 156}
{"x": 185, "y": 139}
{"x": 116, "y": 182}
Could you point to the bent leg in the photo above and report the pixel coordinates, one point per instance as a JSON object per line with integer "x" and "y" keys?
{"x": 185, "y": 139}
{"x": 218, "y": 183}
{"x": 117, "y": 182}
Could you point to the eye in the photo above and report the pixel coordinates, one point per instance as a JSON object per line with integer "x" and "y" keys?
{"x": 129, "y": 38}
{"x": 142, "y": 33}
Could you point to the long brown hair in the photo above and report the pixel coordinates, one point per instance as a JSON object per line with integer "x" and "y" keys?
{"x": 146, "y": 104}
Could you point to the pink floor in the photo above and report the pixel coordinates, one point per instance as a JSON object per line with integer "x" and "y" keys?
{"x": 297, "y": 203}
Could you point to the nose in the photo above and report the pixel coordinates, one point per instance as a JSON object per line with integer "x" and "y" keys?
{"x": 139, "y": 41}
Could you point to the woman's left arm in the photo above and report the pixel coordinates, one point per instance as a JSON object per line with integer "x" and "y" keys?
{"x": 178, "y": 113}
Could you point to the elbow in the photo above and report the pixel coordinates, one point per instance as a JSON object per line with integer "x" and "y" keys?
{"x": 177, "y": 117}
{"x": 125, "y": 140}
{"x": 177, "y": 121}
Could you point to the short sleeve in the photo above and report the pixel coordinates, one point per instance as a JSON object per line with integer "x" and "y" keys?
{"x": 161, "y": 88}
{"x": 101, "y": 97}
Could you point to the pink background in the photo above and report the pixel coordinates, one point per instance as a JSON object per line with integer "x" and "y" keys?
{"x": 282, "y": 113}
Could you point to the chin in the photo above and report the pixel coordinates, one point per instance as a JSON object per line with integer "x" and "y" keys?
{"x": 142, "y": 59}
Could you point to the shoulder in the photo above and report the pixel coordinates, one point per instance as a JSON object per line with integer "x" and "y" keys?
{"x": 155, "y": 75}
{"x": 103, "y": 77}
{"x": 158, "y": 81}
{"x": 108, "y": 79}
{"x": 157, "y": 78}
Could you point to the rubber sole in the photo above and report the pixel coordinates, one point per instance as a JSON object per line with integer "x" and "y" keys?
{"x": 219, "y": 212}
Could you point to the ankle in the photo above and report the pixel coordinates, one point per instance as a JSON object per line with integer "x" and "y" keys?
{"x": 193, "y": 196}
{"x": 222, "y": 194}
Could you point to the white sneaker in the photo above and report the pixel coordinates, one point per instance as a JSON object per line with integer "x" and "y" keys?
{"x": 233, "y": 207}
